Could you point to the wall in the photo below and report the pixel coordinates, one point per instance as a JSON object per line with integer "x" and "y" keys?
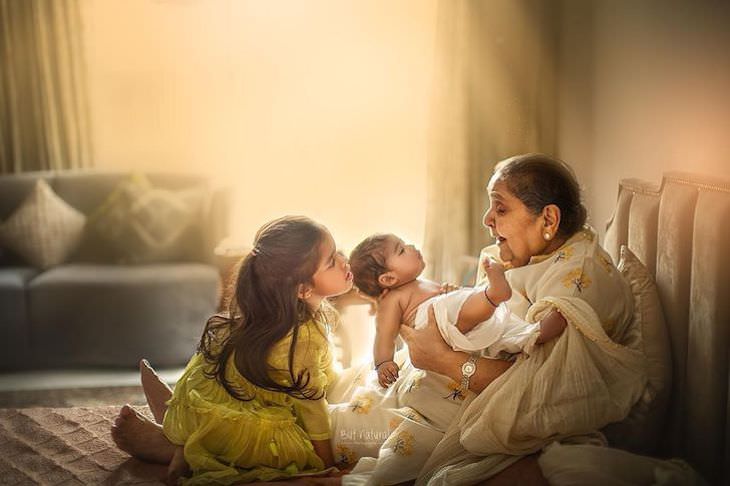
{"x": 644, "y": 89}
{"x": 316, "y": 107}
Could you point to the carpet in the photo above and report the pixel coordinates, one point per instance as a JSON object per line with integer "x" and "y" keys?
{"x": 70, "y": 446}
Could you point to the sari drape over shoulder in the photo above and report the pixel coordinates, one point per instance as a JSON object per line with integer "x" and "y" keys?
{"x": 566, "y": 388}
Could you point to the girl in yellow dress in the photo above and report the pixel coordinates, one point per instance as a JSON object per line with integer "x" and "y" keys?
{"x": 251, "y": 403}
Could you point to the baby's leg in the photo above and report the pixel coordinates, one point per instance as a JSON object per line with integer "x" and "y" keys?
{"x": 480, "y": 305}
{"x": 155, "y": 390}
{"x": 499, "y": 289}
{"x": 551, "y": 327}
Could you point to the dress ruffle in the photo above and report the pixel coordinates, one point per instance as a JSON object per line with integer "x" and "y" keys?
{"x": 228, "y": 440}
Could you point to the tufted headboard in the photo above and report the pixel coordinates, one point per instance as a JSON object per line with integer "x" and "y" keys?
{"x": 681, "y": 231}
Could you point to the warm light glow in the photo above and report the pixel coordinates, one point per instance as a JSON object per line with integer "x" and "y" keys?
{"x": 317, "y": 108}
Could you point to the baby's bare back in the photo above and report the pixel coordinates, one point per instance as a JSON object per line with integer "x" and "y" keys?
{"x": 413, "y": 294}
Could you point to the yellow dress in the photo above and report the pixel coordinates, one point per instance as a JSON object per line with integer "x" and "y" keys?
{"x": 229, "y": 441}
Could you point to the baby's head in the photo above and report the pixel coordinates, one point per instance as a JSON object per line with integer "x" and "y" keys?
{"x": 384, "y": 261}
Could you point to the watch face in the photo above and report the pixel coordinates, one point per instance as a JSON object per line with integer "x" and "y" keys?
{"x": 468, "y": 368}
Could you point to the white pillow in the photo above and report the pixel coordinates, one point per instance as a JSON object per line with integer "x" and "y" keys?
{"x": 44, "y": 230}
{"x": 640, "y": 431}
{"x": 145, "y": 224}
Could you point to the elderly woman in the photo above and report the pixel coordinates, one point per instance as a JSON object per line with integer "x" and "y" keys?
{"x": 568, "y": 389}
{"x": 565, "y": 389}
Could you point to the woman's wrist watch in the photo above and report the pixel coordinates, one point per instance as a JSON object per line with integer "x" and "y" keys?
{"x": 467, "y": 371}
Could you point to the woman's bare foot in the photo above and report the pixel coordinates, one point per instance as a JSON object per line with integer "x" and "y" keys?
{"x": 155, "y": 390}
{"x": 139, "y": 437}
{"x": 499, "y": 289}
{"x": 178, "y": 467}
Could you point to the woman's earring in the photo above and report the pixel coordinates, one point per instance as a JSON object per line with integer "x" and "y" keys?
{"x": 547, "y": 236}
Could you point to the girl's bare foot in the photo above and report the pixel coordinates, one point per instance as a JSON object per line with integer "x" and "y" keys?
{"x": 139, "y": 437}
{"x": 178, "y": 467}
{"x": 155, "y": 390}
{"x": 499, "y": 289}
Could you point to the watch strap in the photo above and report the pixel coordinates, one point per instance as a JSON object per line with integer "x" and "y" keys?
{"x": 467, "y": 371}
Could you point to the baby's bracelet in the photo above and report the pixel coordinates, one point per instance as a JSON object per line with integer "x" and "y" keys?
{"x": 486, "y": 296}
{"x": 382, "y": 363}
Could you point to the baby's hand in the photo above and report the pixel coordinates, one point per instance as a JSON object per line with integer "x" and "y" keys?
{"x": 387, "y": 373}
{"x": 499, "y": 289}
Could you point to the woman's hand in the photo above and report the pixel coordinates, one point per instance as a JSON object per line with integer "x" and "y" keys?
{"x": 426, "y": 345}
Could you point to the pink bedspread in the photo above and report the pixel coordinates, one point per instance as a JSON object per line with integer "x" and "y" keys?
{"x": 67, "y": 446}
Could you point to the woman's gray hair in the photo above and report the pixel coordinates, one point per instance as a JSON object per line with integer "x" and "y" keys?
{"x": 539, "y": 180}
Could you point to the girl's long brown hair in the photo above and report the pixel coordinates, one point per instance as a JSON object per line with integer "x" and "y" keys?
{"x": 265, "y": 308}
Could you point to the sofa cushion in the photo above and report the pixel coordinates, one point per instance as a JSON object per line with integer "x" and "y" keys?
{"x": 15, "y": 278}
{"x": 146, "y": 224}
{"x": 640, "y": 431}
{"x": 14, "y": 336}
{"x": 110, "y": 315}
{"x": 44, "y": 230}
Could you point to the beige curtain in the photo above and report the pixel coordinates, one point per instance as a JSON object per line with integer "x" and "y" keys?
{"x": 494, "y": 96}
{"x": 43, "y": 108}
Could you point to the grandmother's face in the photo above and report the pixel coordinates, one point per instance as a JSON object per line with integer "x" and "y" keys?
{"x": 518, "y": 232}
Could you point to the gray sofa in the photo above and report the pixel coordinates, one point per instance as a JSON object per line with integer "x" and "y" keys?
{"x": 92, "y": 311}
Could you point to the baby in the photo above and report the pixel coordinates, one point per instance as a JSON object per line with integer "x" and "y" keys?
{"x": 387, "y": 269}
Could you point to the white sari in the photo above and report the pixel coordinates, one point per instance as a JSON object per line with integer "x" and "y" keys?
{"x": 566, "y": 389}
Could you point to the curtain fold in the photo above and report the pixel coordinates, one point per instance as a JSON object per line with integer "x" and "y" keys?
{"x": 44, "y": 115}
{"x": 495, "y": 95}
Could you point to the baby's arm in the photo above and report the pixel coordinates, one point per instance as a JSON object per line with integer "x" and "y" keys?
{"x": 387, "y": 322}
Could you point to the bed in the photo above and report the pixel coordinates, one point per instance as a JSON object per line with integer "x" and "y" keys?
{"x": 677, "y": 229}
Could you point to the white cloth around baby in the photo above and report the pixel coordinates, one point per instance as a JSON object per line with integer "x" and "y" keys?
{"x": 503, "y": 332}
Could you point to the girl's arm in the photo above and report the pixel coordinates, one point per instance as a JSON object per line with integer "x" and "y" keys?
{"x": 429, "y": 351}
{"x": 312, "y": 355}
{"x": 323, "y": 448}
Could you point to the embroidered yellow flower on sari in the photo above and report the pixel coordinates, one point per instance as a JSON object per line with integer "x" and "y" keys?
{"x": 415, "y": 382}
{"x": 411, "y": 414}
{"x": 402, "y": 443}
{"x": 361, "y": 405}
{"x": 394, "y": 423}
{"x": 455, "y": 392}
{"x": 578, "y": 279}
{"x": 344, "y": 455}
{"x": 605, "y": 263}
{"x": 564, "y": 254}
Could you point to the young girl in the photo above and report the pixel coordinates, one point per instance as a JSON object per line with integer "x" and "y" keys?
{"x": 251, "y": 403}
